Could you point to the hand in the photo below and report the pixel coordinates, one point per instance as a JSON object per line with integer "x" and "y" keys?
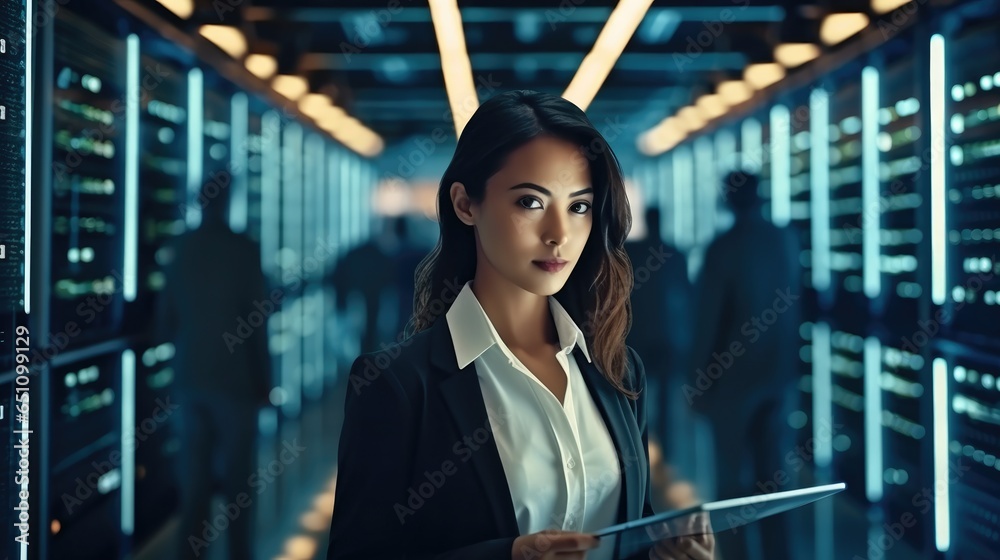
{"x": 699, "y": 545}
{"x": 553, "y": 544}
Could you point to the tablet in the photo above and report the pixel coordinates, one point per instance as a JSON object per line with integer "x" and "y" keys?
{"x": 711, "y": 517}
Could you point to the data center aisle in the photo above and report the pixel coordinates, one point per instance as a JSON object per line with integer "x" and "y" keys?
{"x": 837, "y": 528}
{"x": 295, "y": 505}
{"x": 293, "y": 492}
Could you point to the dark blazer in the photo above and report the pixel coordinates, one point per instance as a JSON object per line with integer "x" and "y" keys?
{"x": 420, "y": 476}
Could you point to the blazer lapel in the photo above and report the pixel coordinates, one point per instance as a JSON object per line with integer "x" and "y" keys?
{"x": 613, "y": 408}
{"x": 464, "y": 398}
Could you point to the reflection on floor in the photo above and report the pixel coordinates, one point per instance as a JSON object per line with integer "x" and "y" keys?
{"x": 294, "y": 505}
{"x": 294, "y": 508}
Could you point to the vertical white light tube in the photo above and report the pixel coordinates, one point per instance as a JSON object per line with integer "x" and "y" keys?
{"x": 291, "y": 259}
{"x": 870, "y": 207}
{"x": 873, "y": 419}
{"x": 819, "y": 175}
{"x": 677, "y": 199}
{"x": 127, "y": 447}
{"x": 705, "y": 190}
{"x": 822, "y": 395}
{"x": 133, "y": 95}
{"x": 781, "y": 166}
{"x": 196, "y": 151}
{"x": 684, "y": 195}
{"x": 239, "y": 161}
{"x": 29, "y": 111}
{"x": 345, "y": 199}
{"x": 333, "y": 200}
{"x": 752, "y": 145}
{"x": 270, "y": 187}
{"x": 942, "y": 497}
{"x": 369, "y": 189}
{"x": 357, "y": 190}
{"x": 664, "y": 177}
{"x": 939, "y": 202}
{"x": 725, "y": 154}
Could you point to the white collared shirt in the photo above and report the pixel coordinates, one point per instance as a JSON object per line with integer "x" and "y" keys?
{"x": 559, "y": 459}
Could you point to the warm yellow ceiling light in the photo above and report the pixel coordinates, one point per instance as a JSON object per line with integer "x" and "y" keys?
{"x": 711, "y": 105}
{"x": 350, "y": 132}
{"x": 455, "y": 65}
{"x": 370, "y": 146}
{"x": 330, "y": 118}
{"x": 300, "y": 546}
{"x": 652, "y": 142}
{"x": 690, "y": 118}
{"x": 261, "y": 65}
{"x": 225, "y": 37}
{"x": 883, "y": 6}
{"x": 314, "y": 104}
{"x": 649, "y": 142}
{"x": 734, "y": 92}
{"x": 791, "y": 55}
{"x": 837, "y": 27}
{"x": 341, "y": 128}
{"x": 662, "y": 137}
{"x": 759, "y": 76}
{"x": 358, "y": 137}
{"x": 672, "y": 125}
{"x": 596, "y": 66}
{"x": 292, "y": 87}
{"x": 181, "y": 8}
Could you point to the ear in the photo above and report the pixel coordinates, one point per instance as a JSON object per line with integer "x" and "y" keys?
{"x": 461, "y": 203}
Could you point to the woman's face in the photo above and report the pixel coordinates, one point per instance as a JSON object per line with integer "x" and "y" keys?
{"x": 536, "y": 208}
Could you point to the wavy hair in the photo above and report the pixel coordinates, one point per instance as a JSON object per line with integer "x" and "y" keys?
{"x": 597, "y": 293}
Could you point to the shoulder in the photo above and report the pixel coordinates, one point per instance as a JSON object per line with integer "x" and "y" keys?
{"x": 401, "y": 368}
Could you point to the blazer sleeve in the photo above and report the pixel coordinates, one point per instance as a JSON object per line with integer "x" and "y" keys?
{"x": 377, "y": 444}
{"x": 640, "y": 417}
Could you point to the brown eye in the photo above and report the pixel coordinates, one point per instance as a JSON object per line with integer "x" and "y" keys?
{"x": 529, "y": 200}
{"x": 585, "y": 205}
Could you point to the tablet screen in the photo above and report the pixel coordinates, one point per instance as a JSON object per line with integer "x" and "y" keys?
{"x": 713, "y": 517}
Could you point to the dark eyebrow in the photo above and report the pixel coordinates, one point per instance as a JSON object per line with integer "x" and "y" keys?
{"x": 546, "y": 191}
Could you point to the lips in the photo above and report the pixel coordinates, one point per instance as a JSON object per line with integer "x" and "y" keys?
{"x": 552, "y": 265}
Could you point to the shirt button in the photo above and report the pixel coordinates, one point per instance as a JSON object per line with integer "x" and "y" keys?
{"x": 571, "y": 463}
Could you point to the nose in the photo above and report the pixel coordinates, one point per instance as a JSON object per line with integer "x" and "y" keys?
{"x": 556, "y": 230}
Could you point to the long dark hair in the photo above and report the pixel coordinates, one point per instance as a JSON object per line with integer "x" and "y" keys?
{"x": 596, "y": 295}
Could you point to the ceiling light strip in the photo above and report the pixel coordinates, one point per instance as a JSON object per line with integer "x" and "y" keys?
{"x": 455, "y": 65}
{"x": 595, "y": 68}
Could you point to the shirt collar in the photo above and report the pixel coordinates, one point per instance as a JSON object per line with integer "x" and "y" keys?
{"x": 472, "y": 332}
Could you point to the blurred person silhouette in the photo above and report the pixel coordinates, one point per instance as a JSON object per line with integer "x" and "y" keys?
{"x": 406, "y": 261}
{"x": 512, "y": 423}
{"x": 369, "y": 271}
{"x": 660, "y": 326}
{"x": 214, "y": 307}
{"x": 744, "y": 358}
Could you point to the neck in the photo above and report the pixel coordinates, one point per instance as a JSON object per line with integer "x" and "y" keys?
{"x": 522, "y": 319}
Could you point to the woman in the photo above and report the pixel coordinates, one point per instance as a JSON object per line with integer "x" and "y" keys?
{"x": 512, "y": 422}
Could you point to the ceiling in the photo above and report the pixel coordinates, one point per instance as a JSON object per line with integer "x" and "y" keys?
{"x": 380, "y": 59}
